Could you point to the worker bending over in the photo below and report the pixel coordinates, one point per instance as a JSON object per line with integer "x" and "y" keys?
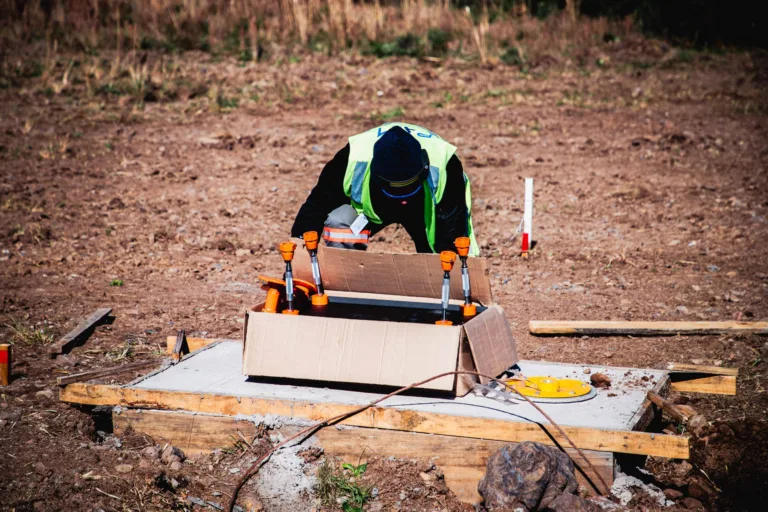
{"x": 397, "y": 173}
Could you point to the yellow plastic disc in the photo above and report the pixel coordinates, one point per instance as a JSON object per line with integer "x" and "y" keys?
{"x": 550, "y": 387}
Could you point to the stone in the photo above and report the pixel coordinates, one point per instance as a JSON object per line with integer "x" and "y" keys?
{"x": 151, "y": 452}
{"x": 673, "y": 494}
{"x": 46, "y": 393}
{"x": 40, "y": 468}
{"x": 170, "y": 452}
{"x": 529, "y": 476}
{"x": 176, "y": 465}
{"x": 570, "y": 503}
{"x": 123, "y": 468}
{"x": 600, "y": 380}
{"x": 699, "y": 491}
{"x": 692, "y": 503}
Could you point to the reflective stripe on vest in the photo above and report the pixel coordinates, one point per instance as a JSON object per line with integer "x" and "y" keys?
{"x": 345, "y": 236}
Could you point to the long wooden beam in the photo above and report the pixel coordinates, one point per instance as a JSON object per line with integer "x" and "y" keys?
{"x": 70, "y": 339}
{"x": 105, "y": 372}
{"x": 620, "y": 328}
{"x": 462, "y": 460}
{"x": 619, "y": 441}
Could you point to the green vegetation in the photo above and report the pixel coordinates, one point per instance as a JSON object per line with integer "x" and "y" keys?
{"x": 24, "y": 334}
{"x": 116, "y": 282}
{"x": 341, "y": 486}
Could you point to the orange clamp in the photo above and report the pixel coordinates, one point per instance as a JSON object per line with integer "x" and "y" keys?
{"x": 447, "y": 259}
{"x": 310, "y": 240}
{"x": 287, "y": 249}
{"x": 462, "y": 246}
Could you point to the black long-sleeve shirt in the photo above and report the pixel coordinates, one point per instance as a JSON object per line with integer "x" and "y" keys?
{"x": 451, "y": 212}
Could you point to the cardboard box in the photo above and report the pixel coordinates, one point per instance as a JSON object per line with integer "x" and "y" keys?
{"x": 378, "y": 352}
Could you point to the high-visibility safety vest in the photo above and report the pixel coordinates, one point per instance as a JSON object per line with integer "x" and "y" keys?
{"x": 358, "y": 176}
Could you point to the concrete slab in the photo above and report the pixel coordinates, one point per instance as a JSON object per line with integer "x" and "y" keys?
{"x": 216, "y": 370}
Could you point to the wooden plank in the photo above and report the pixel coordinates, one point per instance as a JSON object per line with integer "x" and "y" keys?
{"x": 462, "y": 460}
{"x": 695, "y": 383}
{"x": 645, "y": 415}
{"x": 104, "y": 372}
{"x": 619, "y": 328}
{"x": 66, "y": 343}
{"x": 193, "y": 343}
{"x": 668, "y": 407}
{"x": 695, "y": 368}
{"x": 381, "y": 417}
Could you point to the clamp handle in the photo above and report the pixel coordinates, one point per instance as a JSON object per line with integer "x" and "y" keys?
{"x": 310, "y": 240}
{"x": 447, "y": 259}
{"x": 462, "y": 246}
{"x": 286, "y": 250}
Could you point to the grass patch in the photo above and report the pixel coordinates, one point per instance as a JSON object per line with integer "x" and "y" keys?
{"x": 407, "y": 45}
{"x": 116, "y": 282}
{"x": 341, "y": 487}
{"x": 23, "y": 334}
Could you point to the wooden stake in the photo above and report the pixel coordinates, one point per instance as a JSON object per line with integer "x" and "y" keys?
{"x": 5, "y": 364}
{"x": 620, "y": 328}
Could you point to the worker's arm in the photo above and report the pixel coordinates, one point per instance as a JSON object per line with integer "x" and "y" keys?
{"x": 452, "y": 215}
{"x": 327, "y": 195}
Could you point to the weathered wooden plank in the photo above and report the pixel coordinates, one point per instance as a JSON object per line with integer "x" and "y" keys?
{"x": 105, "y": 372}
{"x": 382, "y": 417}
{"x": 696, "y": 383}
{"x": 647, "y": 412}
{"x": 462, "y": 460}
{"x": 695, "y": 368}
{"x": 75, "y": 335}
{"x": 193, "y": 343}
{"x": 620, "y": 328}
{"x": 668, "y": 407}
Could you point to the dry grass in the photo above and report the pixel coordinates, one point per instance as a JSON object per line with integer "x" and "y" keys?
{"x": 251, "y": 27}
{"x": 23, "y": 334}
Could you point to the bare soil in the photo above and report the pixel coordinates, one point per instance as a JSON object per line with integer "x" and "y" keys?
{"x": 651, "y": 203}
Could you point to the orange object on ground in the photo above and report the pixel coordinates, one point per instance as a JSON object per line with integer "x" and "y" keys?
{"x": 444, "y": 322}
{"x": 5, "y": 364}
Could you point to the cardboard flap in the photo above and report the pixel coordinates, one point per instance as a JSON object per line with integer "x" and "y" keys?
{"x": 411, "y": 275}
{"x": 342, "y": 350}
{"x": 491, "y": 342}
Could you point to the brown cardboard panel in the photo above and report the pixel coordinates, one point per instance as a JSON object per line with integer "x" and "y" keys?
{"x": 412, "y": 275}
{"x": 342, "y": 350}
{"x": 491, "y": 341}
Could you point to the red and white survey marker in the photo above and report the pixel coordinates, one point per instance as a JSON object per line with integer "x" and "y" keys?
{"x": 528, "y": 217}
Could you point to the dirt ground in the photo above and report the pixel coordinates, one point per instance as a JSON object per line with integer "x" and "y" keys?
{"x": 651, "y": 203}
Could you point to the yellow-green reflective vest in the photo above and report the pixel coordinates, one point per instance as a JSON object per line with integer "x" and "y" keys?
{"x": 358, "y": 176}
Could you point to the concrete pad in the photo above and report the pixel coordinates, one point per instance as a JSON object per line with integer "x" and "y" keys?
{"x": 216, "y": 369}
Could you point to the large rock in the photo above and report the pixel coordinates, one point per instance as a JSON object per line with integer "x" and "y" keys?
{"x": 532, "y": 477}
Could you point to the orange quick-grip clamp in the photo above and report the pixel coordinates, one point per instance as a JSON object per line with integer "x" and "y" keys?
{"x": 273, "y": 300}
{"x": 462, "y": 247}
{"x": 287, "y": 249}
{"x": 447, "y": 259}
{"x": 310, "y": 242}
